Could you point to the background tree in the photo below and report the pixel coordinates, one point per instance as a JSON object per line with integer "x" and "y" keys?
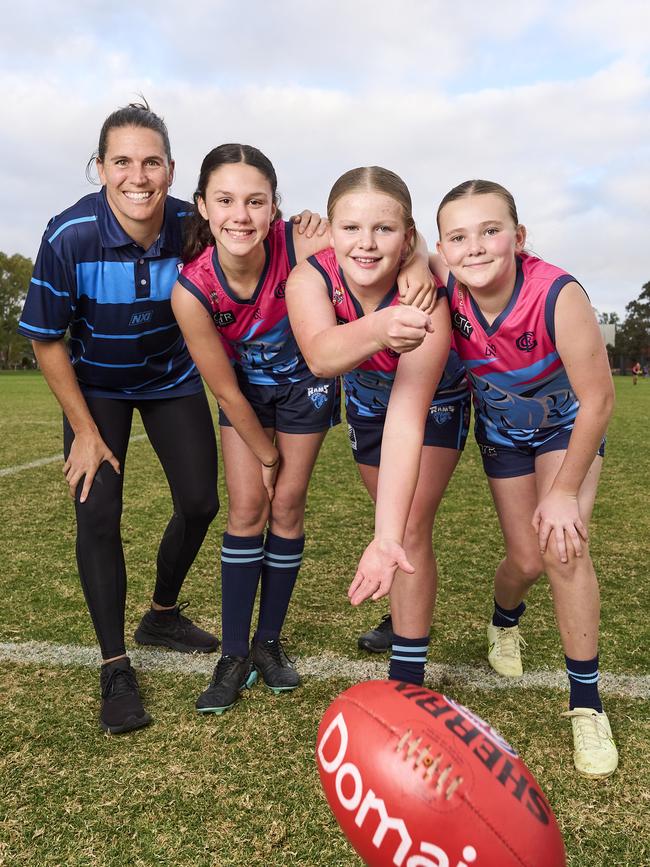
{"x": 15, "y": 274}
{"x": 633, "y": 336}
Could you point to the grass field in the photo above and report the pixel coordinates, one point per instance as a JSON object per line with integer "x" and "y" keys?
{"x": 242, "y": 789}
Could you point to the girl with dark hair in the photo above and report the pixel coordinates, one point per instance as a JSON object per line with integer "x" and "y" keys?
{"x": 543, "y": 396}
{"x": 274, "y": 413}
{"x": 344, "y": 311}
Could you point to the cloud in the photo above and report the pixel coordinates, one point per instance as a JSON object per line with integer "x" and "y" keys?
{"x": 433, "y": 91}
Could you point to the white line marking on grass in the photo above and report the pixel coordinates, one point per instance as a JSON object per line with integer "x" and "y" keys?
{"x": 41, "y": 462}
{"x": 326, "y": 666}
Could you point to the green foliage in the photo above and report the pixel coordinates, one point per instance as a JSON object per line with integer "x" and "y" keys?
{"x": 15, "y": 274}
{"x": 633, "y": 337}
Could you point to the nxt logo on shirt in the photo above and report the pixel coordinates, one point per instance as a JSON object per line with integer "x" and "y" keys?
{"x": 318, "y": 394}
{"x": 279, "y": 289}
{"x": 257, "y": 314}
{"x": 490, "y": 350}
{"x": 526, "y": 342}
{"x": 223, "y": 319}
{"x": 141, "y": 318}
{"x": 462, "y": 325}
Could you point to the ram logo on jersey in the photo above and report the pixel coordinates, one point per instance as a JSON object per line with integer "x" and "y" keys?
{"x": 318, "y": 394}
{"x": 442, "y": 414}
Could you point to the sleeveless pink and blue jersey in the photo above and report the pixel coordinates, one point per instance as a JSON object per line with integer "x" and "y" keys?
{"x": 255, "y": 331}
{"x": 367, "y": 387}
{"x": 521, "y": 391}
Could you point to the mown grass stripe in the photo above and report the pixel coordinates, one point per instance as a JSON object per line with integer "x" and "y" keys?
{"x": 41, "y": 462}
{"x": 326, "y": 666}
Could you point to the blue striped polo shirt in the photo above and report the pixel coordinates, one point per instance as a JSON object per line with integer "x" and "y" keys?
{"x": 112, "y": 298}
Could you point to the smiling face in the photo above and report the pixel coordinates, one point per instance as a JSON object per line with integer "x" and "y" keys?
{"x": 369, "y": 236}
{"x": 239, "y": 207}
{"x": 136, "y": 174}
{"x": 479, "y": 240}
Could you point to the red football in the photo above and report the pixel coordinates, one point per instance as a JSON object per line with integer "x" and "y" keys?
{"x": 417, "y": 780}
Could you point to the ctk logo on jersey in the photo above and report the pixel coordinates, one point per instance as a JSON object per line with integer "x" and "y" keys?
{"x": 279, "y": 289}
{"x": 317, "y": 394}
{"x": 462, "y": 325}
{"x": 223, "y": 319}
{"x": 526, "y": 342}
{"x": 337, "y": 295}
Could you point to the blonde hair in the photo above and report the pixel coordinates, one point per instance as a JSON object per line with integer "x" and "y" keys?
{"x": 379, "y": 180}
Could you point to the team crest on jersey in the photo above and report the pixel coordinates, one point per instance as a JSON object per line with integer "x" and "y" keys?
{"x": 337, "y": 295}
{"x": 462, "y": 325}
{"x": 223, "y": 319}
{"x": 490, "y": 350}
{"x": 441, "y": 414}
{"x": 318, "y": 394}
{"x": 279, "y": 289}
{"x": 526, "y": 342}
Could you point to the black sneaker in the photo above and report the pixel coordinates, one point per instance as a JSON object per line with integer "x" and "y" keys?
{"x": 122, "y": 708}
{"x": 171, "y": 629}
{"x": 277, "y": 670}
{"x": 379, "y": 639}
{"x": 231, "y": 675}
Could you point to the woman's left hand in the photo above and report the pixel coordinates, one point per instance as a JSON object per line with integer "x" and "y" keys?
{"x": 269, "y": 475}
{"x": 309, "y": 223}
{"x": 558, "y": 516}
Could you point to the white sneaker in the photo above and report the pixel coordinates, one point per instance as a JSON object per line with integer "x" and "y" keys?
{"x": 594, "y": 751}
{"x": 504, "y": 650}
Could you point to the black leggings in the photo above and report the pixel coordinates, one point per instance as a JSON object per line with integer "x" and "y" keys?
{"x": 181, "y": 431}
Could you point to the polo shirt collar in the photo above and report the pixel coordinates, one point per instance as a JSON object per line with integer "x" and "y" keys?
{"x": 112, "y": 235}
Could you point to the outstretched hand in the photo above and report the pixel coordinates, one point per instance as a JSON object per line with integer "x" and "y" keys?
{"x": 558, "y": 517}
{"x": 376, "y": 570}
{"x": 87, "y": 453}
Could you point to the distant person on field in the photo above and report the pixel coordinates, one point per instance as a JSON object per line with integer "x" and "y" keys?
{"x": 543, "y": 396}
{"x": 637, "y": 371}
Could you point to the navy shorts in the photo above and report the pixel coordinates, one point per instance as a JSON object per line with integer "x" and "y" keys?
{"x": 508, "y": 462}
{"x": 446, "y": 427}
{"x": 311, "y": 405}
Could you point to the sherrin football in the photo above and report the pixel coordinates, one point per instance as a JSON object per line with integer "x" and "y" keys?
{"x": 416, "y": 780}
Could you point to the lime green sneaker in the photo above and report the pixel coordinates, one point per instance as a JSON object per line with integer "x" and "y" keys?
{"x": 594, "y": 751}
{"x": 504, "y": 650}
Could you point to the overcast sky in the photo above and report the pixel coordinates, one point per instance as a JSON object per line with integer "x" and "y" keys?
{"x": 551, "y": 99}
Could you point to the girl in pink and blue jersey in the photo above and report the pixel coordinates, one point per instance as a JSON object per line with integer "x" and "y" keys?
{"x": 344, "y": 311}
{"x": 274, "y": 413}
{"x": 543, "y": 396}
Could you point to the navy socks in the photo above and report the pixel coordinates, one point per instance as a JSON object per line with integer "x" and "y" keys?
{"x": 241, "y": 562}
{"x": 583, "y": 681}
{"x": 507, "y": 617}
{"x": 282, "y": 560}
{"x": 408, "y": 659}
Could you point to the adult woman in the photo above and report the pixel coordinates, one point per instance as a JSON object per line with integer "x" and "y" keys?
{"x": 274, "y": 413}
{"x": 344, "y": 312}
{"x": 105, "y": 270}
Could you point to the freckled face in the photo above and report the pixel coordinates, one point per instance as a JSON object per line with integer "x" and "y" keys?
{"x": 369, "y": 237}
{"x": 478, "y": 241}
